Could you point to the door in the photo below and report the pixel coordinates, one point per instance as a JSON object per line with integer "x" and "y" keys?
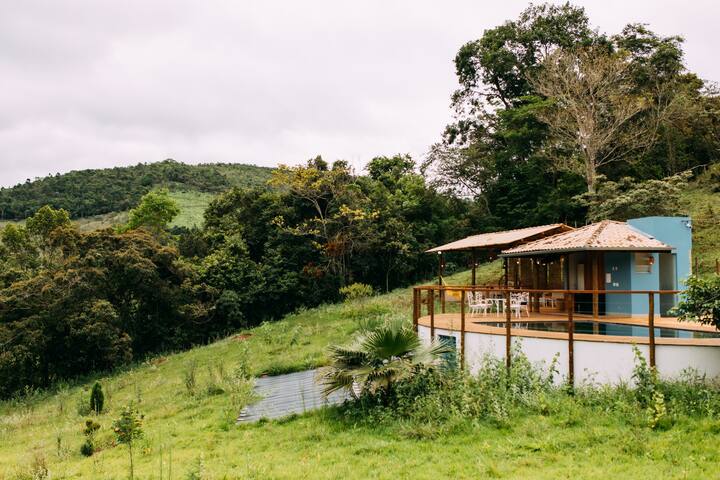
{"x": 668, "y": 281}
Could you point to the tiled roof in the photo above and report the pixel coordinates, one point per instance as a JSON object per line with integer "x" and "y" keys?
{"x": 501, "y": 239}
{"x": 604, "y": 235}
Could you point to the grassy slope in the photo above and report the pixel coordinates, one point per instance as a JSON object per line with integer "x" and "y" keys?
{"x": 703, "y": 205}
{"x": 574, "y": 443}
{"x": 192, "y": 206}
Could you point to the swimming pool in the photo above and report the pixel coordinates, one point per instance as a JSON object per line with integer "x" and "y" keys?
{"x": 606, "y": 328}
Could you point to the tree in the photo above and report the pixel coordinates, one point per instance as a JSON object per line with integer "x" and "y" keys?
{"x": 628, "y": 198}
{"x": 594, "y": 115}
{"x": 128, "y": 428}
{"x": 378, "y": 358}
{"x": 46, "y": 220}
{"x": 701, "y": 301}
{"x": 97, "y": 398}
{"x": 341, "y": 210}
{"x": 155, "y": 212}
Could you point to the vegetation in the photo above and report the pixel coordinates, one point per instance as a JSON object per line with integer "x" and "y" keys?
{"x": 533, "y": 430}
{"x": 701, "y": 301}
{"x": 627, "y": 198}
{"x": 547, "y": 104}
{"x": 99, "y": 191}
{"x": 128, "y": 429}
{"x": 80, "y": 305}
{"x": 379, "y": 358}
{"x": 97, "y": 399}
{"x": 356, "y": 290}
{"x": 154, "y": 213}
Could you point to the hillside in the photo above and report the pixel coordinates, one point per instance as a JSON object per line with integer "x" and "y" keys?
{"x": 194, "y": 435}
{"x": 88, "y": 193}
{"x": 702, "y": 202}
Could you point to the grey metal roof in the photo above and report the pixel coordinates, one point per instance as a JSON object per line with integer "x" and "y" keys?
{"x": 284, "y": 395}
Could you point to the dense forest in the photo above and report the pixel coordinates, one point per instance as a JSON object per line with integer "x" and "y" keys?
{"x": 516, "y": 154}
{"x": 91, "y": 192}
{"x": 74, "y": 302}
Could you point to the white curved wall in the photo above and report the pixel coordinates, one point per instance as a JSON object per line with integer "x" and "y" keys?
{"x": 595, "y": 362}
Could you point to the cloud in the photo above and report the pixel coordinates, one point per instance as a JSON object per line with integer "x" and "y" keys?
{"x": 90, "y": 84}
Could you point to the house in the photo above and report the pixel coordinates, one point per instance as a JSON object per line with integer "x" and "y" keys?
{"x": 642, "y": 254}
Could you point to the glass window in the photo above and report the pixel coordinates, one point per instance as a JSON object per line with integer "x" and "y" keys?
{"x": 644, "y": 262}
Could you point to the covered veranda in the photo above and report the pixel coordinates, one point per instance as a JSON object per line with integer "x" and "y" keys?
{"x": 602, "y": 280}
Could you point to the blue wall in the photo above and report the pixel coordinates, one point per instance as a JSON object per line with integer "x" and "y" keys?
{"x": 619, "y": 266}
{"x": 674, "y": 231}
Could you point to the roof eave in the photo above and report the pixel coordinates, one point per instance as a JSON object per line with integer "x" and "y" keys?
{"x": 533, "y": 253}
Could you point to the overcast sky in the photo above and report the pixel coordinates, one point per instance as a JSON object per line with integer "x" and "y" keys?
{"x": 90, "y": 84}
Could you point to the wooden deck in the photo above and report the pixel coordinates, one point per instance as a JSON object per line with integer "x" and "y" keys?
{"x": 478, "y": 323}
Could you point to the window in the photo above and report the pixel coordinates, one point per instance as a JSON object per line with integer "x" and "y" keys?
{"x": 644, "y": 262}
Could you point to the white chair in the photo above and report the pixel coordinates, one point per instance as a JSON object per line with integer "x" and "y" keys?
{"x": 519, "y": 302}
{"x": 478, "y": 303}
{"x": 548, "y": 300}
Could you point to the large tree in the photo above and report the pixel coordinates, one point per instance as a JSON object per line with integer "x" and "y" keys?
{"x": 496, "y": 149}
{"x": 594, "y": 115}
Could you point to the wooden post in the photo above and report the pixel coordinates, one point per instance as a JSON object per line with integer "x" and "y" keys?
{"x": 474, "y": 266}
{"x": 595, "y": 297}
{"x": 717, "y": 266}
{"x": 508, "y": 339}
{"x": 697, "y": 266}
{"x": 431, "y": 308}
{"x": 462, "y": 329}
{"x": 441, "y": 293}
{"x": 505, "y": 267}
{"x": 570, "y": 301}
{"x": 416, "y": 310}
{"x": 651, "y": 327}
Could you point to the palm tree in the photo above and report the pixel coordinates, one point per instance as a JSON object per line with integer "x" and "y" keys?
{"x": 379, "y": 357}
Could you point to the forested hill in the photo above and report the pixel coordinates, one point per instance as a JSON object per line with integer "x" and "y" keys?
{"x": 97, "y": 191}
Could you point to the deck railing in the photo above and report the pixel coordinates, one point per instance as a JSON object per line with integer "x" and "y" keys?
{"x": 430, "y": 295}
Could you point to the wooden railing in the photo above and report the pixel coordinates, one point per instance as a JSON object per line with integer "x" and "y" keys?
{"x": 431, "y": 292}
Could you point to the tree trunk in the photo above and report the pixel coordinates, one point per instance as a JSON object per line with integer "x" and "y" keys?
{"x": 590, "y": 172}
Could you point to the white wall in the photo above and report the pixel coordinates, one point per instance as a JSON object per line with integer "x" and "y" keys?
{"x": 595, "y": 362}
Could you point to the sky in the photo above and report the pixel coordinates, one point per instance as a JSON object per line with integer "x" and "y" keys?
{"x": 95, "y": 84}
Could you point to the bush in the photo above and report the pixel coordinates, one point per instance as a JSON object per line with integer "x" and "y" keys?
{"x": 701, "y": 301}
{"x": 87, "y": 449}
{"x": 97, "y": 399}
{"x": 355, "y": 291}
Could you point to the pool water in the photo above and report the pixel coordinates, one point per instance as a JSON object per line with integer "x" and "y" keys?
{"x": 608, "y": 328}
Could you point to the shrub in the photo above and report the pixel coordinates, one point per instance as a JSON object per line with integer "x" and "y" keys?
{"x": 97, "y": 398}
{"x": 190, "y": 377}
{"x": 87, "y": 449}
{"x": 701, "y": 301}
{"x": 355, "y": 291}
{"x": 83, "y": 406}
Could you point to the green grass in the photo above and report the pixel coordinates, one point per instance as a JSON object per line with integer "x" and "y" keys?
{"x": 199, "y": 434}
{"x": 192, "y": 208}
{"x": 703, "y": 205}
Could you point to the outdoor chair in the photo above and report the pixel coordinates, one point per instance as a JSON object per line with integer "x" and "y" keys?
{"x": 519, "y": 302}
{"x": 477, "y": 303}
